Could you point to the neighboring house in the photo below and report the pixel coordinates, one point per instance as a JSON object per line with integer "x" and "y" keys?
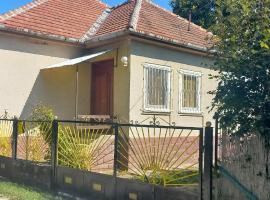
{"x": 82, "y": 57}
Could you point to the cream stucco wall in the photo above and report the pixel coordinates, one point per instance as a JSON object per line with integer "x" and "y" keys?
{"x": 23, "y": 82}
{"x": 22, "y": 85}
{"x": 142, "y": 53}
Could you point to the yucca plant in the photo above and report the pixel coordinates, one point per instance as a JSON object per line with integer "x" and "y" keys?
{"x": 160, "y": 156}
{"x": 5, "y": 138}
{"x": 80, "y": 148}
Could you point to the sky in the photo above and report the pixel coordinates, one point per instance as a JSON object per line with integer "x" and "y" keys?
{"x": 6, "y": 5}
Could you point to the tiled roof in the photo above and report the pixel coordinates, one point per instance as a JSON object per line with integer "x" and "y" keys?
{"x": 119, "y": 19}
{"x": 87, "y": 19}
{"x": 159, "y": 22}
{"x": 66, "y": 18}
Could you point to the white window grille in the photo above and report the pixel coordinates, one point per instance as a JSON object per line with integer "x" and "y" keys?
{"x": 189, "y": 91}
{"x": 157, "y": 88}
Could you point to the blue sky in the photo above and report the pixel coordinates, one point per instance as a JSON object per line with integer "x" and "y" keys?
{"x": 6, "y": 5}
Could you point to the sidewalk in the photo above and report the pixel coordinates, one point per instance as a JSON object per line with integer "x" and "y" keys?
{"x": 3, "y": 198}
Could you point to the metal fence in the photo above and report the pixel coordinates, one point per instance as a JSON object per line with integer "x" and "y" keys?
{"x": 162, "y": 156}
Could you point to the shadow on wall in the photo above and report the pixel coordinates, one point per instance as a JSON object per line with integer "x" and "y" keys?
{"x": 54, "y": 88}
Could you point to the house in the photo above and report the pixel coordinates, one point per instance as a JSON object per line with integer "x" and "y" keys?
{"x": 82, "y": 57}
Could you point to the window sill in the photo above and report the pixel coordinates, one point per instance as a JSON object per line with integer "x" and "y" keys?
{"x": 149, "y": 112}
{"x": 193, "y": 114}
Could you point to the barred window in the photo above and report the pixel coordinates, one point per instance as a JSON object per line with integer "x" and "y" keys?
{"x": 190, "y": 91}
{"x": 157, "y": 88}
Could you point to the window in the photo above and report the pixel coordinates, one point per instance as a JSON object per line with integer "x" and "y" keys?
{"x": 157, "y": 88}
{"x": 189, "y": 91}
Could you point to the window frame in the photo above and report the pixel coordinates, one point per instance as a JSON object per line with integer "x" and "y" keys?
{"x": 189, "y": 110}
{"x": 156, "y": 108}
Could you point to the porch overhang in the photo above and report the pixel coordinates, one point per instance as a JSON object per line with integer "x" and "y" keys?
{"x": 75, "y": 61}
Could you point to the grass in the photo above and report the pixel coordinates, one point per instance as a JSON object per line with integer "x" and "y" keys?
{"x": 15, "y": 191}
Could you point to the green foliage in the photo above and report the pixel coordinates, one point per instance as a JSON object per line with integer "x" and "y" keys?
{"x": 73, "y": 154}
{"x": 171, "y": 178}
{"x": 79, "y": 148}
{"x": 5, "y": 138}
{"x": 20, "y": 192}
{"x": 203, "y": 12}
{"x": 242, "y": 98}
{"x": 44, "y": 115}
{"x": 5, "y": 146}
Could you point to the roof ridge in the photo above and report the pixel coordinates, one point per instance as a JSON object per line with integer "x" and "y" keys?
{"x": 95, "y": 27}
{"x": 173, "y": 14}
{"x": 135, "y": 16}
{"x": 21, "y": 9}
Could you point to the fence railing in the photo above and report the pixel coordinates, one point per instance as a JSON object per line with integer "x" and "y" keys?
{"x": 165, "y": 155}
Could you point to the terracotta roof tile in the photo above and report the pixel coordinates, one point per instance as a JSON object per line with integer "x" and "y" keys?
{"x": 119, "y": 19}
{"x": 157, "y": 21}
{"x": 58, "y": 17}
{"x": 85, "y": 19}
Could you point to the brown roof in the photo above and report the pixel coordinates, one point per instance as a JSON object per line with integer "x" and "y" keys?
{"x": 157, "y": 21}
{"x": 87, "y": 19}
{"x": 66, "y": 18}
{"x": 118, "y": 20}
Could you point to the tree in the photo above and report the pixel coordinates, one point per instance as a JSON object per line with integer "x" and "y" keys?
{"x": 242, "y": 35}
{"x": 202, "y": 11}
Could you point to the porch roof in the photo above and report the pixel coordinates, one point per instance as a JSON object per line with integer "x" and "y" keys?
{"x": 75, "y": 61}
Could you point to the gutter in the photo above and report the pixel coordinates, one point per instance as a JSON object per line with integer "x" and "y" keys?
{"x": 27, "y": 32}
{"x": 169, "y": 41}
{"x": 96, "y": 39}
{"x": 131, "y": 31}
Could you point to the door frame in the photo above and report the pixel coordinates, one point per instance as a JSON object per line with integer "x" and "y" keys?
{"x": 112, "y": 85}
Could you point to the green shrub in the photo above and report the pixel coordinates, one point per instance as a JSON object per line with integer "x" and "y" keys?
{"x": 43, "y": 115}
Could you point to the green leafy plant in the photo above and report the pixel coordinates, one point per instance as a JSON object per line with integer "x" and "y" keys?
{"x": 43, "y": 114}
{"x": 242, "y": 52}
{"x": 81, "y": 148}
{"x": 5, "y": 138}
{"x": 242, "y": 35}
{"x": 41, "y": 130}
{"x": 202, "y": 11}
{"x": 179, "y": 177}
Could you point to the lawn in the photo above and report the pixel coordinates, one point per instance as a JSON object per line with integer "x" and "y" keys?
{"x": 20, "y": 192}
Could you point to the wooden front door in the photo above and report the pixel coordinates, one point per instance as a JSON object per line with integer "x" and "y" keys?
{"x": 102, "y": 88}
